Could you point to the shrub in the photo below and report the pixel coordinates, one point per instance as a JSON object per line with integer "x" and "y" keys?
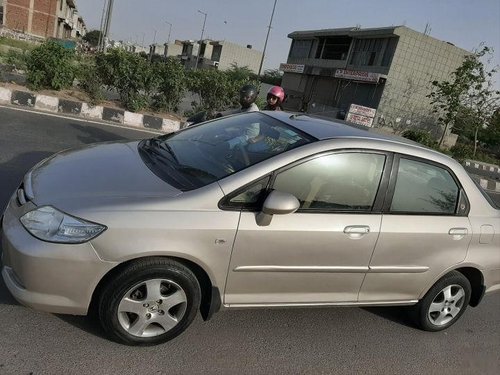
{"x": 462, "y": 151}
{"x": 172, "y": 85}
{"x": 18, "y": 59}
{"x": 90, "y": 82}
{"x": 218, "y": 90}
{"x": 272, "y": 77}
{"x": 420, "y": 137}
{"x": 50, "y": 66}
{"x": 131, "y": 75}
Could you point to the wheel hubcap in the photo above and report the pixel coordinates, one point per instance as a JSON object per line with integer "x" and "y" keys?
{"x": 446, "y": 305}
{"x": 152, "y": 308}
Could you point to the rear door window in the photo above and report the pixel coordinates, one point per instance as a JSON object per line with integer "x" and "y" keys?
{"x": 423, "y": 188}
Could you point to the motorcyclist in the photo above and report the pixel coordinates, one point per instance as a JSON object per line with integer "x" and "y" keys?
{"x": 275, "y": 96}
{"x": 248, "y": 95}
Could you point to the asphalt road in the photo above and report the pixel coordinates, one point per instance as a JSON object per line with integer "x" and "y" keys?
{"x": 286, "y": 341}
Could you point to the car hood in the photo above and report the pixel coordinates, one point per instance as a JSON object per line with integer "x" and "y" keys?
{"x": 97, "y": 174}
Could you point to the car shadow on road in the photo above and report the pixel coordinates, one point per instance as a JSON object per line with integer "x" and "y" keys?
{"x": 397, "y": 314}
{"x": 5, "y": 296}
{"x": 88, "y": 324}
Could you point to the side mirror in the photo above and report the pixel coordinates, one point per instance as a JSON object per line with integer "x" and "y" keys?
{"x": 277, "y": 203}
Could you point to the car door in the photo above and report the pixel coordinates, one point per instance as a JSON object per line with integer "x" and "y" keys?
{"x": 320, "y": 253}
{"x": 425, "y": 231}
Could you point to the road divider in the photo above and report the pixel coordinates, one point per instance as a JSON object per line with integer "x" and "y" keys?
{"x": 53, "y": 104}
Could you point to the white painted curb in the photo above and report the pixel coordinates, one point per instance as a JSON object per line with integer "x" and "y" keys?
{"x": 489, "y": 185}
{"x": 5, "y": 95}
{"x": 47, "y": 103}
{"x": 170, "y": 126}
{"x": 133, "y": 119}
{"x": 91, "y": 112}
{"x": 51, "y": 104}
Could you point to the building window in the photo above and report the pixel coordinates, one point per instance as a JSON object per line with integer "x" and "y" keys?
{"x": 216, "y": 53}
{"x": 301, "y": 48}
{"x": 389, "y": 51}
{"x": 1, "y": 15}
{"x": 202, "y": 49}
{"x": 366, "y": 52}
{"x": 61, "y": 4}
{"x": 334, "y": 48}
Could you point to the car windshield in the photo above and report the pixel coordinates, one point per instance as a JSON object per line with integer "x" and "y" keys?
{"x": 202, "y": 154}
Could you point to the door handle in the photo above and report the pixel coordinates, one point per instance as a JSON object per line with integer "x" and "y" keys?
{"x": 356, "y": 231}
{"x": 458, "y": 233}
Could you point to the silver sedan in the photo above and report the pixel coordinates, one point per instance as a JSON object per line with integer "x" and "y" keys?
{"x": 252, "y": 210}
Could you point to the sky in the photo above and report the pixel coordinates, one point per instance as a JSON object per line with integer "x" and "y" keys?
{"x": 465, "y": 23}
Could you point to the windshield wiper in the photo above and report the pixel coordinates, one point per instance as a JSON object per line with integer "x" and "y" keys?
{"x": 195, "y": 171}
{"x": 156, "y": 144}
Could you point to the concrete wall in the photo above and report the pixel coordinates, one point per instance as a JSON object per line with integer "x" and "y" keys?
{"x": 418, "y": 60}
{"x": 174, "y": 49}
{"x": 233, "y": 53}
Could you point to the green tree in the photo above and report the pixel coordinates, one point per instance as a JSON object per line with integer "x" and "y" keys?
{"x": 492, "y": 135}
{"x": 468, "y": 100}
{"x": 240, "y": 73}
{"x": 92, "y": 37}
{"x": 50, "y": 66}
{"x": 272, "y": 77}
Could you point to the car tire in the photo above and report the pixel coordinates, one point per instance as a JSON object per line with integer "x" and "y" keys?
{"x": 149, "y": 302}
{"x": 444, "y": 303}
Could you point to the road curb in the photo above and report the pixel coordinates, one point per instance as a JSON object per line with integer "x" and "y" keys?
{"x": 492, "y": 172}
{"x": 489, "y": 185}
{"x": 482, "y": 166}
{"x": 54, "y": 104}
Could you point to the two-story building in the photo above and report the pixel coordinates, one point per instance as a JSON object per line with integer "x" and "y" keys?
{"x": 219, "y": 54}
{"x": 389, "y": 69}
{"x": 43, "y": 18}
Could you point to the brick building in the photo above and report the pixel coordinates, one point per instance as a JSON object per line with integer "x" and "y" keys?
{"x": 43, "y": 18}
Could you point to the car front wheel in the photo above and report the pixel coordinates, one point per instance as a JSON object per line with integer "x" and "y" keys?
{"x": 444, "y": 303}
{"x": 151, "y": 301}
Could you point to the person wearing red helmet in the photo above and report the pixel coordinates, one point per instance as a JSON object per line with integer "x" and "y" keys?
{"x": 275, "y": 96}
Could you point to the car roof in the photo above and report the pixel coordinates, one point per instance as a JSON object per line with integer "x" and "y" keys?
{"x": 322, "y": 128}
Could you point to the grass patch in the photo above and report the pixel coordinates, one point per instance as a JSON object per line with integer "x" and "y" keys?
{"x": 21, "y": 44}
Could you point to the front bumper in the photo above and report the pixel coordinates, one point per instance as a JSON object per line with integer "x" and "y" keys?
{"x": 57, "y": 278}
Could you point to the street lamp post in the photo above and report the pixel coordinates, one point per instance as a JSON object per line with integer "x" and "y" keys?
{"x": 107, "y": 24}
{"x": 201, "y": 38}
{"x": 152, "y": 47}
{"x": 154, "y": 38}
{"x": 267, "y": 37}
{"x": 169, "y": 31}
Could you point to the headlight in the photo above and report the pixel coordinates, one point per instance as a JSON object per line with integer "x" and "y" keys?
{"x": 50, "y": 224}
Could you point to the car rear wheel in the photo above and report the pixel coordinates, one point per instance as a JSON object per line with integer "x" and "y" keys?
{"x": 444, "y": 303}
{"x": 150, "y": 302}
